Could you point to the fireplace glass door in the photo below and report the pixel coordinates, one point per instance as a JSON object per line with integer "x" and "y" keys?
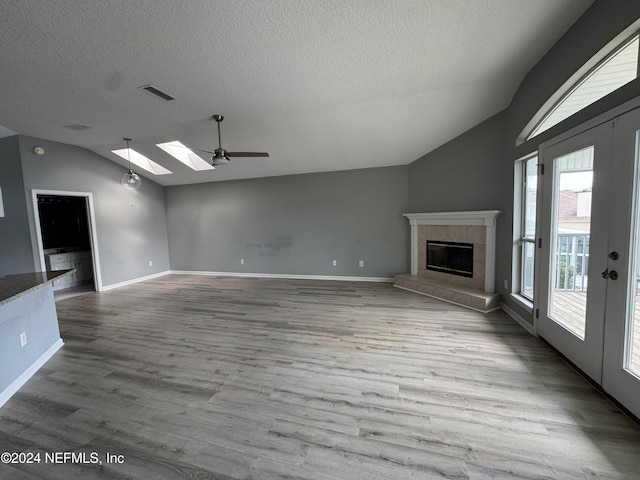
{"x": 454, "y": 258}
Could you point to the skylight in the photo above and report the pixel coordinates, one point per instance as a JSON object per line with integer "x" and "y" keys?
{"x": 185, "y": 155}
{"x": 142, "y": 161}
{"x": 613, "y": 72}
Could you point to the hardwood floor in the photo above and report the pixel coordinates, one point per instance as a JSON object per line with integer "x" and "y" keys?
{"x": 194, "y": 377}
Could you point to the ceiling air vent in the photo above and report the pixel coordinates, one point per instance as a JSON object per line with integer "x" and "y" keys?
{"x": 156, "y": 92}
{"x": 77, "y": 126}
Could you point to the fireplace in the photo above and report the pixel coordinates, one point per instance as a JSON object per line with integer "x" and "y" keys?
{"x": 454, "y": 258}
{"x": 477, "y": 228}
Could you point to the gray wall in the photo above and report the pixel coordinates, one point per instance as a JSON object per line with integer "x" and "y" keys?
{"x": 475, "y": 170}
{"x": 35, "y": 314}
{"x": 468, "y": 173}
{"x": 15, "y": 244}
{"x": 131, "y": 225}
{"x": 600, "y": 24}
{"x": 464, "y": 174}
{"x": 293, "y": 224}
{"x": 298, "y": 224}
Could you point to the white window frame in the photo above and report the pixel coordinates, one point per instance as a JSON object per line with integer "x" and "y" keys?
{"x": 519, "y": 231}
{"x": 615, "y": 45}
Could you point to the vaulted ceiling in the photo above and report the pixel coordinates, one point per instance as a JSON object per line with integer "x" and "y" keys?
{"x": 319, "y": 84}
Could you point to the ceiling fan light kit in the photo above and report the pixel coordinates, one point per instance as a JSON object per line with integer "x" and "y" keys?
{"x": 220, "y": 156}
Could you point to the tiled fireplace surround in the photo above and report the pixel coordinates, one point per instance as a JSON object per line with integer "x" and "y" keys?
{"x": 477, "y": 228}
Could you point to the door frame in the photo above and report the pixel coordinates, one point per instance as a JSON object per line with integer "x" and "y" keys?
{"x": 609, "y": 382}
{"x": 574, "y": 348}
{"x": 39, "y": 249}
{"x": 619, "y": 379}
{"x": 596, "y": 121}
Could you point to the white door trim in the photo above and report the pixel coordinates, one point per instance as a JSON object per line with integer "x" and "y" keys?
{"x": 584, "y": 352}
{"x": 95, "y": 256}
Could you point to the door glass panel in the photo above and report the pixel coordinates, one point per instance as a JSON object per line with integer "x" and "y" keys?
{"x": 633, "y": 301}
{"x": 570, "y": 235}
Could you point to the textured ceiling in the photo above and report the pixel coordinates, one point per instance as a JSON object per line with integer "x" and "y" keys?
{"x": 320, "y": 84}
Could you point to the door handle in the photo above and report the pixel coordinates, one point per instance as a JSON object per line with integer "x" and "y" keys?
{"x": 613, "y": 275}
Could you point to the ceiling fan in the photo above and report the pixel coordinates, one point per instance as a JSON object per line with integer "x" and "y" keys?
{"x": 220, "y": 156}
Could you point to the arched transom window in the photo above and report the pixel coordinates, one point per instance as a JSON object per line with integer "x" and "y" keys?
{"x": 588, "y": 85}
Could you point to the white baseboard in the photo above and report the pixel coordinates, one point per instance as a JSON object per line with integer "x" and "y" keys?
{"x": 285, "y": 275}
{"x": 14, "y": 386}
{"x": 135, "y": 280}
{"x": 526, "y": 325}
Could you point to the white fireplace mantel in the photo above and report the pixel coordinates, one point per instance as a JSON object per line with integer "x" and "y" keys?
{"x": 485, "y": 218}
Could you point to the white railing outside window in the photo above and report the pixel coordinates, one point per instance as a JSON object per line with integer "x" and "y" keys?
{"x": 572, "y": 262}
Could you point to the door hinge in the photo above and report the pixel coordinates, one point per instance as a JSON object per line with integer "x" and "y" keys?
{"x": 537, "y": 313}
{"x": 541, "y": 168}
{"x": 540, "y": 242}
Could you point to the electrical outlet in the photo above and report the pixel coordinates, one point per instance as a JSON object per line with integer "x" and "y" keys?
{"x": 23, "y": 339}
{"x": 506, "y": 284}
{"x": 242, "y": 261}
{"x": 150, "y": 263}
{"x": 361, "y": 263}
{"x": 335, "y": 263}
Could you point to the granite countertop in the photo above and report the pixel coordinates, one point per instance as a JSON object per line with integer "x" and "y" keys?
{"x": 14, "y": 286}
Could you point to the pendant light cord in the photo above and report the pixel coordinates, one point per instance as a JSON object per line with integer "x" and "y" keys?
{"x": 128, "y": 152}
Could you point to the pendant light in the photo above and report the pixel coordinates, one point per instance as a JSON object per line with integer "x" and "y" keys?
{"x": 130, "y": 180}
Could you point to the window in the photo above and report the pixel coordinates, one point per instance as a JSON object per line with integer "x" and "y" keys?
{"x": 525, "y": 224}
{"x": 589, "y": 85}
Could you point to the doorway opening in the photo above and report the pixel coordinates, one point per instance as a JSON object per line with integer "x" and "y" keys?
{"x": 65, "y": 229}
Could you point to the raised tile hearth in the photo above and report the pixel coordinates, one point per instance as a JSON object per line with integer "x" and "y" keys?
{"x": 476, "y": 228}
{"x": 458, "y": 294}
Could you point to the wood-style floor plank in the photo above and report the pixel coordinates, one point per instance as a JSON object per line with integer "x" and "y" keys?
{"x": 196, "y": 377}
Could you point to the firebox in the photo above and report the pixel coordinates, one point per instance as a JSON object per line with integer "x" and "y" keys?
{"x": 454, "y": 258}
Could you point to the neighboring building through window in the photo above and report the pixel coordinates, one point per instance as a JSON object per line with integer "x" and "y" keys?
{"x": 615, "y": 70}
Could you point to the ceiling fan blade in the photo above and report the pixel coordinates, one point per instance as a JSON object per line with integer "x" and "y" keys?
{"x": 247, "y": 154}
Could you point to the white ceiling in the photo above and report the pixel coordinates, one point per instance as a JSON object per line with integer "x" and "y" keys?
{"x": 319, "y": 84}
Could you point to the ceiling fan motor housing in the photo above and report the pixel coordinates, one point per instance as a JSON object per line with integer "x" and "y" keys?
{"x": 220, "y": 157}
